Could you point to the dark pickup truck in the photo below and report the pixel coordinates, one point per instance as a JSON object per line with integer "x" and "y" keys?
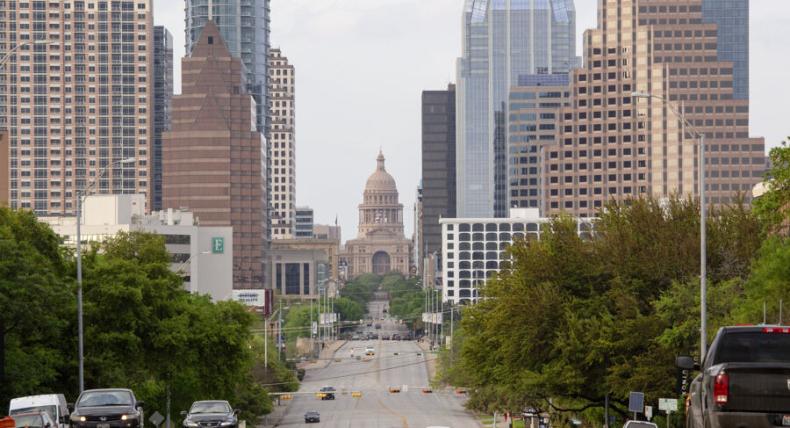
{"x": 744, "y": 380}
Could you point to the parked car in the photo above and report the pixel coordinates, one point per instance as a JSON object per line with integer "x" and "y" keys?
{"x": 39, "y": 419}
{"x": 107, "y": 408}
{"x": 312, "y": 417}
{"x": 328, "y": 393}
{"x": 211, "y": 413}
{"x": 639, "y": 424}
{"x": 396, "y": 336}
{"x": 54, "y": 404}
{"x": 378, "y": 326}
{"x": 744, "y": 380}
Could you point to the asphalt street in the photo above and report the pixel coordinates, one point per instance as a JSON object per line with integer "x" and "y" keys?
{"x": 395, "y": 364}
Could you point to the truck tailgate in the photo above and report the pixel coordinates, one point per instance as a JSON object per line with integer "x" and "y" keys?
{"x": 759, "y": 387}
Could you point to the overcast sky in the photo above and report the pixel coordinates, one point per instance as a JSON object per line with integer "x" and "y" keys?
{"x": 362, "y": 64}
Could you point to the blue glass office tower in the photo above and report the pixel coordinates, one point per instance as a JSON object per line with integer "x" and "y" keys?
{"x": 502, "y": 40}
{"x": 732, "y": 18}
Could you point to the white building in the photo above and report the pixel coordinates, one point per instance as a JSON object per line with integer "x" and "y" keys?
{"x": 203, "y": 255}
{"x": 473, "y": 249}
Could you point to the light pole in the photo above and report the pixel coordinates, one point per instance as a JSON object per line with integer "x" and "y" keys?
{"x": 703, "y": 217}
{"x": 13, "y": 50}
{"x": 80, "y": 331}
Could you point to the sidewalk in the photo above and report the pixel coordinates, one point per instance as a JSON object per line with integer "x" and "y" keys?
{"x": 429, "y": 355}
{"x": 325, "y": 357}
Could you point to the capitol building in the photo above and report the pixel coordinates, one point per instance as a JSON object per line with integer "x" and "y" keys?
{"x": 380, "y": 246}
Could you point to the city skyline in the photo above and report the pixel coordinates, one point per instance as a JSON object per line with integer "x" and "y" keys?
{"x": 339, "y": 40}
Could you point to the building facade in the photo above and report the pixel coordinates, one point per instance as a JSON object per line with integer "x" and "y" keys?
{"x": 75, "y": 98}
{"x": 5, "y": 185}
{"x": 298, "y": 272}
{"x": 380, "y": 246}
{"x": 304, "y": 219}
{"x": 732, "y": 38}
{"x": 532, "y": 127}
{"x": 283, "y": 160}
{"x": 437, "y": 198}
{"x": 502, "y": 40}
{"x": 474, "y": 249}
{"x": 163, "y": 97}
{"x": 214, "y": 158}
{"x": 202, "y": 255}
{"x": 245, "y": 27}
{"x": 614, "y": 146}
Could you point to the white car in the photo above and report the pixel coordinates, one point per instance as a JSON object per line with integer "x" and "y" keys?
{"x": 53, "y": 404}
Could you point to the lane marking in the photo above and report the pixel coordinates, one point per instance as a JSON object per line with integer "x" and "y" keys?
{"x": 403, "y": 419}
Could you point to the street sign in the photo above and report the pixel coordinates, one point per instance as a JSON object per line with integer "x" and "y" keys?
{"x": 217, "y": 245}
{"x": 356, "y": 394}
{"x": 636, "y": 402}
{"x": 668, "y": 404}
{"x": 156, "y": 419}
{"x": 286, "y": 397}
{"x": 649, "y": 412}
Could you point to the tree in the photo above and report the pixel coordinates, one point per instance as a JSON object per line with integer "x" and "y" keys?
{"x": 573, "y": 320}
{"x": 38, "y": 304}
{"x": 773, "y": 207}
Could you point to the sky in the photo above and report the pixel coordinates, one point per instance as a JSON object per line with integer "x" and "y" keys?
{"x": 361, "y": 66}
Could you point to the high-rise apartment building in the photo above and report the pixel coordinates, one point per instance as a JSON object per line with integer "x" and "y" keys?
{"x": 245, "y": 27}
{"x": 502, "y": 40}
{"x": 214, "y": 157}
{"x": 76, "y": 97}
{"x": 613, "y": 146}
{"x": 437, "y": 198}
{"x": 163, "y": 96}
{"x": 304, "y": 220}
{"x": 282, "y": 143}
{"x": 5, "y": 151}
{"x": 532, "y": 127}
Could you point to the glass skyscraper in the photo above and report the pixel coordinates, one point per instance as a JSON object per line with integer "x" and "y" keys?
{"x": 244, "y": 25}
{"x": 732, "y": 18}
{"x": 502, "y": 40}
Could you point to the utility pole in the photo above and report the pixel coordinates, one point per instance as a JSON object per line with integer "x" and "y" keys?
{"x": 280, "y": 330}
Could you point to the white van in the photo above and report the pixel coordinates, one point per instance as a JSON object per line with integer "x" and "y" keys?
{"x": 54, "y": 404}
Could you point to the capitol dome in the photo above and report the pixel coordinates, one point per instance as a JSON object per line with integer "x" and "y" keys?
{"x": 381, "y": 180}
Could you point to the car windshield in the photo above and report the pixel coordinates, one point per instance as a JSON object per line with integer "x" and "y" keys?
{"x": 50, "y": 410}
{"x": 210, "y": 407}
{"x": 754, "y": 347}
{"x": 29, "y": 421}
{"x": 105, "y": 398}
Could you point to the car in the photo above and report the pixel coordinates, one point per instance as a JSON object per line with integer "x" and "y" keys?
{"x": 38, "y": 419}
{"x": 744, "y": 380}
{"x": 55, "y": 405}
{"x": 107, "y": 408}
{"x": 356, "y": 337}
{"x": 394, "y": 389}
{"x": 385, "y": 337}
{"x": 639, "y": 424}
{"x": 211, "y": 413}
{"x": 396, "y": 336}
{"x": 312, "y": 417}
{"x": 378, "y": 326}
{"x": 328, "y": 393}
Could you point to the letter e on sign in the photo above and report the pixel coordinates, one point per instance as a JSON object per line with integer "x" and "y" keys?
{"x": 217, "y": 245}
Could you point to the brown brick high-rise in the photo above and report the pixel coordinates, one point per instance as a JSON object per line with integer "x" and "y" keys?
{"x": 213, "y": 157}
{"x": 610, "y": 146}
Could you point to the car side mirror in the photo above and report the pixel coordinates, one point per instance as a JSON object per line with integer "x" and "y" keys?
{"x": 183, "y": 413}
{"x": 236, "y": 411}
{"x": 686, "y": 363}
{"x": 141, "y": 404}
{"x": 70, "y": 406}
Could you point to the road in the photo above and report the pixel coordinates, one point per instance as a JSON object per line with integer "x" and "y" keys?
{"x": 377, "y": 407}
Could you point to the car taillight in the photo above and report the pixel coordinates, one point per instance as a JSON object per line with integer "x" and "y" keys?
{"x": 721, "y": 389}
{"x": 779, "y": 330}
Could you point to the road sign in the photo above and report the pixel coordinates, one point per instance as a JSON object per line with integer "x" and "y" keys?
{"x": 356, "y": 394}
{"x": 286, "y": 397}
{"x": 636, "y": 402}
{"x": 156, "y": 419}
{"x": 649, "y": 412}
{"x": 668, "y": 404}
{"x": 217, "y": 245}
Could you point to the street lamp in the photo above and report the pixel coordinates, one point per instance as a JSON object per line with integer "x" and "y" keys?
{"x": 81, "y": 337}
{"x": 703, "y": 217}
{"x": 8, "y": 54}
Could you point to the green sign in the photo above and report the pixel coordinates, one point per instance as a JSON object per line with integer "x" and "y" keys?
{"x": 217, "y": 245}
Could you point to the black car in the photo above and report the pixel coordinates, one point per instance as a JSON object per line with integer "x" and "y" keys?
{"x": 211, "y": 414}
{"x": 329, "y": 393}
{"x": 107, "y": 408}
{"x": 312, "y": 417}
